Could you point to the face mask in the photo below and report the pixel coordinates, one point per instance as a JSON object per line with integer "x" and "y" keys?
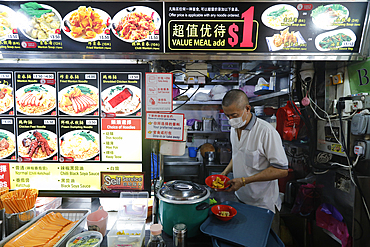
{"x": 237, "y": 122}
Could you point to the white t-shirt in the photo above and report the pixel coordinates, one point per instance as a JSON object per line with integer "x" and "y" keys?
{"x": 259, "y": 147}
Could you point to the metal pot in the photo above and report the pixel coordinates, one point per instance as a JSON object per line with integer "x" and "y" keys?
{"x": 210, "y": 156}
{"x": 183, "y": 202}
{"x": 197, "y": 125}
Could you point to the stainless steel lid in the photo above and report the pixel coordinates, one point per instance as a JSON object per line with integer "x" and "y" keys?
{"x": 183, "y": 192}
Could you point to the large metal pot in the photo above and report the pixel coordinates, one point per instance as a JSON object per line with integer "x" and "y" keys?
{"x": 183, "y": 202}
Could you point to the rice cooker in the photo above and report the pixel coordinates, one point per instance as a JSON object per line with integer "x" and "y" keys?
{"x": 183, "y": 202}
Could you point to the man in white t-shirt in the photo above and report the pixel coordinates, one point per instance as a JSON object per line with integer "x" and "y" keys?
{"x": 258, "y": 157}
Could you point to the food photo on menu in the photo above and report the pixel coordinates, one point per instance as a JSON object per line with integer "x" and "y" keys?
{"x": 279, "y": 16}
{"x": 285, "y": 39}
{"x": 330, "y": 16}
{"x": 136, "y": 23}
{"x": 7, "y": 144}
{"x": 78, "y": 100}
{"x": 39, "y": 21}
{"x": 39, "y": 144}
{"x": 6, "y": 98}
{"x": 7, "y": 21}
{"x": 80, "y": 145}
{"x": 86, "y": 24}
{"x": 333, "y": 40}
{"x": 35, "y": 99}
{"x": 121, "y": 100}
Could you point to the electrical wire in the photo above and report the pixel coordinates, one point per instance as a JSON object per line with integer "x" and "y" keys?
{"x": 186, "y": 100}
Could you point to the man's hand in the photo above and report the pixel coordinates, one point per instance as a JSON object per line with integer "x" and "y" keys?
{"x": 235, "y": 184}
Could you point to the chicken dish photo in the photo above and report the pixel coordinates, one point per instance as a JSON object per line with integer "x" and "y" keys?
{"x": 37, "y": 144}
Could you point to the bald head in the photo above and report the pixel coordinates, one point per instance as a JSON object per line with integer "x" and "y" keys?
{"x": 237, "y": 97}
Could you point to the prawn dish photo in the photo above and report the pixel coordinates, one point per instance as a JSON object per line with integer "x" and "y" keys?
{"x": 7, "y": 143}
{"x": 78, "y": 100}
{"x": 79, "y": 145}
{"x": 37, "y": 144}
{"x": 123, "y": 100}
{"x": 35, "y": 99}
{"x": 86, "y": 23}
{"x": 41, "y": 21}
{"x": 6, "y": 98}
{"x": 136, "y": 23}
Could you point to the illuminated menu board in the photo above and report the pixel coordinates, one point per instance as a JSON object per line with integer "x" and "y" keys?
{"x": 62, "y": 127}
{"x": 81, "y": 26}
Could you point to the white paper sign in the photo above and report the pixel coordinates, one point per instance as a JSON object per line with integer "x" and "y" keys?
{"x": 164, "y": 126}
{"x": 158, "y": 92}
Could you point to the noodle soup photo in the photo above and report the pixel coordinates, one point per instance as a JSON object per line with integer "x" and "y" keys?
{"x": 6, "y": 98}
{"x": 78, "y": 100}
{"x": 35, "y": 99}
{"x": 7, "y": 143}
{"x": 79, "y": 145}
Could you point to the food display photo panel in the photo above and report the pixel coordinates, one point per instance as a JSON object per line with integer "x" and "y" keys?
{"x": 79, "y": 139}
{"x": 121, "y": 94}
{"x": 35, "y": 93}
{"x": 6, "y": 93}
{"x": 7, "y": 139}
{"x": 37, "y": 139}
{"x": 78, "y": 93}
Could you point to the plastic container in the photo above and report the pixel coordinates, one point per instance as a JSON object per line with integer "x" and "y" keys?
{"x": 129, "y": 229}
{"x": 258, "y": 110}
{"x": 97, "y": 221}
{"x": 45, "y": 203}
{"x": 192, "y": 152}
{"x": 94, "y": 239}
{"x": 273, "y": 121}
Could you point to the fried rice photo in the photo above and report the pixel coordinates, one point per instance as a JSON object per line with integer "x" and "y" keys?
{"x": 78, "y": 100}
{"x": 35, "y": 99}
{"x": 7, "y": 144}
{"x": 6, "y": 99}
{"x": 79, "y": 145}
{"x": 37, "y": 144}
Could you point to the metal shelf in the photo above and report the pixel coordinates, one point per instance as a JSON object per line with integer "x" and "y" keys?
{"x": 211, "y": 102}
{"x": 216, "y": 82}
{"x": 206, "y": 132}
{"x": 268, "y": 96}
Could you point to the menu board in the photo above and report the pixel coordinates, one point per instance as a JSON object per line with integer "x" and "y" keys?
{"x": 81, "y": 26}
{"x": 292, "y": 27}
{"x": 71, "y": 123}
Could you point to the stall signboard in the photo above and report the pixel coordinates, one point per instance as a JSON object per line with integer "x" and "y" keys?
{"x": 158, "y": 92}
{"x": 164, "y": 126}
{"x": 55, "y": 26}
{"x": 359, "y": 77}
{"x": 61, "y": 126}
{"x": 113, "y": 182}
{"x": 265, "y": 27}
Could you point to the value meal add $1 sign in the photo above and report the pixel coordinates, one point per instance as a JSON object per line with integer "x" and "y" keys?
{"x": 158, "y": 92}
{"x": 164, "y": 126}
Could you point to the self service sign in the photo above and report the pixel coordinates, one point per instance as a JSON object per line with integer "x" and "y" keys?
{"x": 264, "y": 27}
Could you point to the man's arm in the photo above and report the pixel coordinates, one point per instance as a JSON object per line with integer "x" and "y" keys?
{"x": 228, "y": 168}
{"x": 271, "y": 173}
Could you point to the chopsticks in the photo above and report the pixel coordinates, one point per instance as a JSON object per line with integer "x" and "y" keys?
{"x": 19, "y": 200}
{"x": 3, "y": 190}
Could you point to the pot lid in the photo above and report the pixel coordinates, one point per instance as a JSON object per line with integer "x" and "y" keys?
{"x": 179, "y": 190}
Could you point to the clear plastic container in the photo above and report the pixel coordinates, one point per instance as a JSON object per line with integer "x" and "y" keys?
{"x": 129, "y": 228}
{"x": 93, "y": 238}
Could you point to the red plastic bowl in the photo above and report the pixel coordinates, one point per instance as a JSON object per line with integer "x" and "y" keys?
{"x": 212, "y": 178}
{"x": 218, "y": 208}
